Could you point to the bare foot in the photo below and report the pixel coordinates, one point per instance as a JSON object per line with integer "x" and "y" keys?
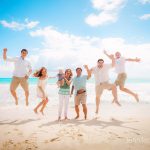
{"x": 59, "y": 118}
{"x": 16, "y": 102}
{"x": 42, "y": 112}
{"x": 113, "y": 101}
{"x": 27, "y": 103}
{"x": 136, "y": 97}
{"x": 96, "y": 115}
{"x": 35, "y": 110}
{"x": 66, "y": 118}
{"x": 76, "y": 117}
{"x": 116, "y": 102}
{"x": 85, "y": 117}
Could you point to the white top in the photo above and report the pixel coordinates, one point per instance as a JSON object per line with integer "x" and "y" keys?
{"x": 120, "y": 65}
{"x": 42, "y": 83}
{"x": 101, "y": 74}
{"x": 22, "y": 66}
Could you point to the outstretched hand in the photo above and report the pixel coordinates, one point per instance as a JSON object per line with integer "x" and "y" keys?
{"x": 105, "y": 52}
{"x": 5, "y": 50}
{"x": 111, "y": 56}
{"x": 86, "y": 66}
{"x": 137, "y": 59}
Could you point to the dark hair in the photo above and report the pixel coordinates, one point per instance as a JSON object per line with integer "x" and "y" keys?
{"x": 38, "y": 73}
{"x": 100, "y": 60}
{"x": 79, "y": 68}
{"x": 24, "y": 50}
{"x": 71, "y": 74}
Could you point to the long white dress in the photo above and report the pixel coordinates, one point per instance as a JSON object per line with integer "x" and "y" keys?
{"x": 42, "y": 83}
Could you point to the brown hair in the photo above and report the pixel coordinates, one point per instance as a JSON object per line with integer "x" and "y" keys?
{"x": 79, "y": 69}
{"x": 24, "y": 50}
{"x": 38, "y": 73}
{"x": 100, "y": 60}
{"x": 71, "y": 74}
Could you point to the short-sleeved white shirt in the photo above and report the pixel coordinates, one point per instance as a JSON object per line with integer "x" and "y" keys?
{"x": 101, "y": 74}
{"x": 120, "y": 65}
{"x": 22, "y": 66}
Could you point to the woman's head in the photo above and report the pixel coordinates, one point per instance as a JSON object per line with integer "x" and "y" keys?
{"x": 41, "y": 72}
{"x": 68, "y": 73}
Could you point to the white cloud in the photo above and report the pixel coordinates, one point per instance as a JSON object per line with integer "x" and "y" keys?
{"x": 19, "y": 26}
{"x": 145, "y": 17}
{"x": 64, "y": 50}
{"x": 67, "y": 50}
{"x": 144, "y": 1}
{"x": 108, "y": 12}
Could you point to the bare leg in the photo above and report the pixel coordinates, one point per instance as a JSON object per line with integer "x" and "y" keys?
{"x": 114, "y": 93}
{"x": 27, "y": 96}
{"x": 15, "y": 96}
{"x": 77, "y": 111}
{"x": 39, "y": 105}
{"x": 44, "y": 105}
{"x": 97, "y": 104}
{"x": 129, "y": 92}
{"x": 84, "y": 110}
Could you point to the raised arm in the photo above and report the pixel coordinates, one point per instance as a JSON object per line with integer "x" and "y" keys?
{"x": 88, "y": 71}
{"x": 29, "y": 72}
{"x": 5, "y": 53}
{"x": 108, "y": 55}
{"x": 133, "y": 59}
{"x": 68, "y": 81}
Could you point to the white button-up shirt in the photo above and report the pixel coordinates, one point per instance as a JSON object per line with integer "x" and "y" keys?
{"x": 101, "y": 74}
{"x": 22, "y": 66}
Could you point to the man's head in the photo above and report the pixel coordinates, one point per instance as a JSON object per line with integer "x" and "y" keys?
{"x": 117, "y": 55}
{"x": 79, "y": 71}
{"x": 24, "y": 53}
{"x": 100, "y": 63}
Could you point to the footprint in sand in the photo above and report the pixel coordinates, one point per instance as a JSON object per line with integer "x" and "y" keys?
{"x": 54, "y": 139}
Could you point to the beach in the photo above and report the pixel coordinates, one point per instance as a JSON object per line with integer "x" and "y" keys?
{"x": 125, "y": 127}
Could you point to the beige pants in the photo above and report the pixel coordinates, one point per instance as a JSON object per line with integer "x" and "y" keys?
{"x": 121, "y": 78}
{"x": 102, "y": 86}
{"x": 19, "y": 80}
{"x": 80, "y": 98}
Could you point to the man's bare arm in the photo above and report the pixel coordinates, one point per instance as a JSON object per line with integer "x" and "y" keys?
{"x": 5, "y": 53}
{"x": 88, "y": 71}
{"x": 133, "y": 59}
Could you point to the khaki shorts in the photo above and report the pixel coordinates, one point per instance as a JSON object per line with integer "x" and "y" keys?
{"x": 121, "y": 78}
{"x": 80, "y": 98}
{"x": 102, "y": 86}
{"x": 19, "y": 80}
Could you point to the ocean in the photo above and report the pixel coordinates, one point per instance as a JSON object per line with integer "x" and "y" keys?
{"x": 54, "y": 80}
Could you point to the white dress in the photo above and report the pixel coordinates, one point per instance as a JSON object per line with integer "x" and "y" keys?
{"x": 42, "y": 83}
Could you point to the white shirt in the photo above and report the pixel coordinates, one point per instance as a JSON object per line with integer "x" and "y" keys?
{"x": 101, "y": 74}
{"x": 22, "y": 66}
{"x": 120, "y": 65}
{"x": 42, "y": 83}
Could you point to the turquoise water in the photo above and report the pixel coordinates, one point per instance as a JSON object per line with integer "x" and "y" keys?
{"x": 53, "y": 81}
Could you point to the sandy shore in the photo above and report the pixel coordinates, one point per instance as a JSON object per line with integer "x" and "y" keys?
{"x": 124, "y": 128}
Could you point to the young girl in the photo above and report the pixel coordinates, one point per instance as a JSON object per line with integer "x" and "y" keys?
{"x": 41, "y": 88}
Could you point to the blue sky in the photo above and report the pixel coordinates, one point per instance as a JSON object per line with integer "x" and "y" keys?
{"x": 123, "y": 20}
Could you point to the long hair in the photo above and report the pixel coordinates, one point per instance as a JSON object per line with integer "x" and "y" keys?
{"x": 38, "y": 73}
{"x": 71, "y": 74}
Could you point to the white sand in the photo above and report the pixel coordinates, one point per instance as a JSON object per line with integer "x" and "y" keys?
{"x": 125, "y": 128}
